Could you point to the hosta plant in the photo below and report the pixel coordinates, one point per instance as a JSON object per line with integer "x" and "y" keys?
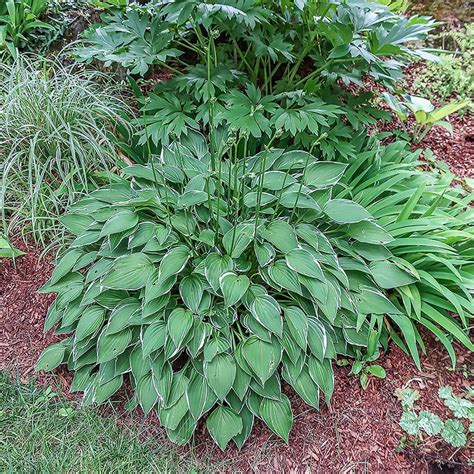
{"x": 209, "y": 276}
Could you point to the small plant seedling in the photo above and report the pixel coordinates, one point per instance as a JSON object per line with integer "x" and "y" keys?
{"x": 452, "y": 430}
{"x": 424, "y": 112}
{"x": 361, "y": 369}
{"x": 7, "y": 250}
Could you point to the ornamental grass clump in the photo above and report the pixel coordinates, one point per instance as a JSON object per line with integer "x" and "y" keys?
{"x": 55, "y": 122}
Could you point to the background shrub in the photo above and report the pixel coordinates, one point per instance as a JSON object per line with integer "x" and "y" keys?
{"x": 452, "y": 76}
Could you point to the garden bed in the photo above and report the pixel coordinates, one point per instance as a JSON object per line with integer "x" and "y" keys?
{"x": 247, "y": 227}
{"x": 360, "y": 432}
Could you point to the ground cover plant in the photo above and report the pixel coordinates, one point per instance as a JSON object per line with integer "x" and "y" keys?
{"x": 262, "y": 232}
{"x": 54, "y": 141}
{"x": 452, "y": 76}
{"x": 425, "y": 423}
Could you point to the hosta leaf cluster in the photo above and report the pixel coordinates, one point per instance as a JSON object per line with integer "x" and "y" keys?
{"x": 209, "y": 286}
{"x": 260, "y": 230}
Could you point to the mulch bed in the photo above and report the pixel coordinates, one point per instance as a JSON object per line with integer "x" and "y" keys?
{"x": 359, "y": 433}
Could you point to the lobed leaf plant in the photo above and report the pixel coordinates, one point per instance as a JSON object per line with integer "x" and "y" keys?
{"x": 266, "y": 40}
{"x": 209, "y": 281}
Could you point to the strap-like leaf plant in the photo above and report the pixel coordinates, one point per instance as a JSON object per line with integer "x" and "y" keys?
{"x": 208, "y": 283}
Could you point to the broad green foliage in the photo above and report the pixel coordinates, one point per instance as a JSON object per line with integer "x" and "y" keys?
{"x": 209, "y": 285}
{"x": 54, "y": 125}
{"x": 17, "y": 19}
{"x": 261, "y": 230}
{"x": 431, "y": 225}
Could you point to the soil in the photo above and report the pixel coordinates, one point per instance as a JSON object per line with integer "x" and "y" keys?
{"x": 456, "y": 149}
{"x": 358, "y": 433}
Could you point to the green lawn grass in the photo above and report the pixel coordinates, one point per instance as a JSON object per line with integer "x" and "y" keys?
{"x": 41, "y": 432}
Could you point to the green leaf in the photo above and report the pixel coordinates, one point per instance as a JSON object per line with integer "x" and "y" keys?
{"x": 265, "y": 253}
{"x": 215, "y": 346}
{"x": 303, "y": 262}
{"x": 237, "y": 239}
{"x": 410, "y": 423}
{"x": 192, "y": 198}
{"x": 322, "y": 373}
{"x": 377, "y": 371}
{"x": 154, "y": 338}
{"x": 278, "y": 416}
{"x": 76, "y": 223}
{"x": 220, "y": 374}
{"x": 460, "y": 407}
{"x": 344, "y": 211}
{"x": 298, "y": 325}
{"x": 262, "y": 357}
{"x": 371, "y": 301}
{"x": 389, "y": 275}
{"x": 90, "y": 322}
{"x": 111, "y": 346}
{"x": 104, "y": 391}
{"x": 277, "y": 180}
{"x": 7, "y": 250}
{"x": 51, "y": 357}
{"x": 191, "y": 290}
{"x": 174, "y": 261}
{"x": 323, "y": 174}
{"x": 65, "y": 265}
{"x": 215, "y": 266}
{"x": 197, "y": 395}
{"x": 284, "y": 276}
{"x": 183, "y": 432}
{"x": 453, "y": 433}
{"x": 119, "y": 222}
{"x": 241, "y": 383}
{"x": 233, "y": 287}
{"x": 280, "y": 234}
{"x": 171, "y": 416}
{"x": 267, "y": 312}
{"x": 129, "y": 273}
{"x": 247, "y": 418}
{"x": 430, "y": 423}
{"x": 369, "y": 232}
{"x": 306, "y": 388}
{"x": 179, "y": 323}
{"x": 223, "y": 424}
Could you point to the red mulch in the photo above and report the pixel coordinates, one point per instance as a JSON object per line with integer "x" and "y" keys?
{"x": 360, "y": 432}
{"x": 457, "y": 149}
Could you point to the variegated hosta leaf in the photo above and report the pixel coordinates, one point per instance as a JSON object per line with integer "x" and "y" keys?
{"x": 205, "y": 307}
